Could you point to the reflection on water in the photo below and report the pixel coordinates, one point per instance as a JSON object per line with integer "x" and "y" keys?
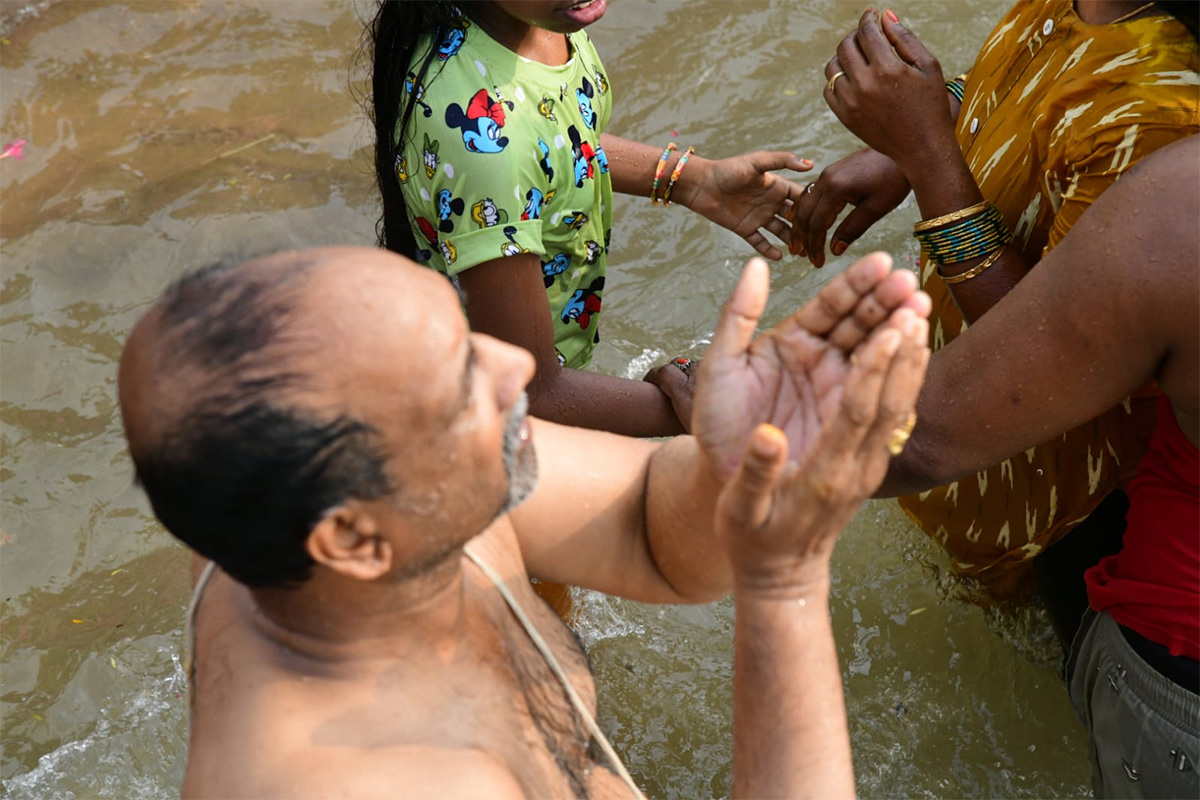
{"x": 164, "y": 135}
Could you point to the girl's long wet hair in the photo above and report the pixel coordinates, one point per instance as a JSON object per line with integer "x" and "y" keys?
{"x": 393, "y": 36}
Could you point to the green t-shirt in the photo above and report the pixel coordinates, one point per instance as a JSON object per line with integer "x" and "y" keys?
{"x": 503, "y": 157}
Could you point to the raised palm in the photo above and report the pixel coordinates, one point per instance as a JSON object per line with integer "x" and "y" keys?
{"x": 791, "y": 376}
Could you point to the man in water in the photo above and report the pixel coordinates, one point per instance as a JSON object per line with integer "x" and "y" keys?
{"x": 357, "y": 464}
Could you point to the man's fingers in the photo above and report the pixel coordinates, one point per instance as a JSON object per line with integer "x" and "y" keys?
{"x": 837, "y": 299}
{"x": 746, "y": 500}
{"x": 858, "y": 407}
{"x": 898, "y": 397}
{"x": 889, "y": 294}
{"x": 741, "y": 312}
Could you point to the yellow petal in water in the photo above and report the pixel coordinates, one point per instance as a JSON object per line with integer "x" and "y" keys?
{"x": 112, "y": 661}
{"x": 39, "y": 718}
{"x": 916, "y": 611}
{"x": 76, "y": 621}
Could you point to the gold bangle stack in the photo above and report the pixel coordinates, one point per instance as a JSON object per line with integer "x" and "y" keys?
{"x": 950, "y": 280}
{"x": 962, "y": 213}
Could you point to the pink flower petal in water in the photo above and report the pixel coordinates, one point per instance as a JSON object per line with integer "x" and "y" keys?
{"x": 15, "y": 149}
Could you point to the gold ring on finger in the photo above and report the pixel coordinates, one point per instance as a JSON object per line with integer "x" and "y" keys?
{"x": 899, "y": 437}
{"x": 833, "y": 80}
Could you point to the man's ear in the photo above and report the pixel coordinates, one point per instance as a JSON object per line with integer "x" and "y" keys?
{"x": 347, "y": 540}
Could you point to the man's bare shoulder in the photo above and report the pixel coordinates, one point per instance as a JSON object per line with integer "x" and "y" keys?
{"x": 345, "y": 772}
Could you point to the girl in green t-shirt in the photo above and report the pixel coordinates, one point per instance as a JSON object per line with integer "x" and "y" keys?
{"x": 495, "y": 170}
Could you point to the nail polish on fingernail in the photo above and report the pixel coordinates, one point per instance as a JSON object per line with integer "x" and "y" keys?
{"x": 838, "y": 247}
{"x": 892, "y": 15}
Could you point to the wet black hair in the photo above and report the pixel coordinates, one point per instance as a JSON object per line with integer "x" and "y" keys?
{"x": 240, "y": 475}
{"x": 392, "y": 44}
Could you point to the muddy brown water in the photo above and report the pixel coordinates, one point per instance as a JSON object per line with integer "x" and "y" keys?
{"x": 164, "y": 135}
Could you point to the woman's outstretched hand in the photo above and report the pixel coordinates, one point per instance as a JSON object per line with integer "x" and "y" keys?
{"x": 745, "y": 195}
{"x": 795, "y": 376}
{"x": 867, "y": 180}
{"x": 891, "y": 93}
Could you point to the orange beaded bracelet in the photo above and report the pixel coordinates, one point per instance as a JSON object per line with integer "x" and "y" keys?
{"x": 679, "y": 165}
{"x": 658, "y": 172}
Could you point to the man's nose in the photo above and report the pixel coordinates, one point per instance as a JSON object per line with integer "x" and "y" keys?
{"x": 511, "y": 367}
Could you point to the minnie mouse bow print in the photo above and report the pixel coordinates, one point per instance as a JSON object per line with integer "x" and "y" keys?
{"x": 480, "y": 123}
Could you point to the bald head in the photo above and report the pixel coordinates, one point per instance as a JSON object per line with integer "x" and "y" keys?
{"x": 239, "y": 397}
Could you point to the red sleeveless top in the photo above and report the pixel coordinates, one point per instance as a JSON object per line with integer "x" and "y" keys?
{"x": 1153, "y": 585}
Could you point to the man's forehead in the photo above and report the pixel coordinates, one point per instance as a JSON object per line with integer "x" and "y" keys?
{"x": 382, "y": 317}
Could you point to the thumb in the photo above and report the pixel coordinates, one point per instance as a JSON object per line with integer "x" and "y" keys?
{"x": 747, "y": 499}
{"x": 741, "y": 312}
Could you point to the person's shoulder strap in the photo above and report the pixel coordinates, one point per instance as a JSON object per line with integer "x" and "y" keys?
{"x": 580, "y": 707}
{"x": 189, "y": 623}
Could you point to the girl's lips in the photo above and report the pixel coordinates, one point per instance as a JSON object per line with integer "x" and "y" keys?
{"x": 585, "y": 13}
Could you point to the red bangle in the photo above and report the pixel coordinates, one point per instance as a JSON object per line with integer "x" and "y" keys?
{"x": 679, "y": 165}
{"x": 658, "y": 171}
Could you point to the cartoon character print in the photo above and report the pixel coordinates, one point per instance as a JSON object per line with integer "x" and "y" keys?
{"x": 409, "y": 81}
{"x": 583, "y": 304}
{"x": 593, "y": 252}
{"x": 401, "y": 168}
{"x": 455, "y": 36}
{"x": 546, "y": 108}
{"x": 601, "y": 81}
{"x": 544, "y": 162}
{"x": 511, "y": 248}
{"x": 486, "y": 214}
{"x": 449, "y": 251}
{"x": 582, "y": 155}
{"x": 448, "y": 206}
{"x": 535, "y": 202}
{"x": 607, "y": 240}
{"x": 583, "y": 96}
{"x": 562, "y": 360}
{"x": 554, "y": 267}
{"x": 575, "y": 220}
{"x": 429, "y": 152}
{"x": 481, "y": 123}
{"x": 427, "y": 230}
{"x": 601, "y": 158}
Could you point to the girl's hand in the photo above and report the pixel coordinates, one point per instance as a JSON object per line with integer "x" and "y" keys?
{"x": 744, "y": 195}
{"x": 677, "y": 380}
{"x": 891, "y": 93}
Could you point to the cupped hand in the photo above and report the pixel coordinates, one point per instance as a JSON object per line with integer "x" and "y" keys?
{"x": 677, "y": 380}
{"x": 793, "y": 375}
{"x": 891, "y": 93}
{"x": 779, "y": 519}
{"x": 867, "y": 180}
{"x": 745, "y": 195}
